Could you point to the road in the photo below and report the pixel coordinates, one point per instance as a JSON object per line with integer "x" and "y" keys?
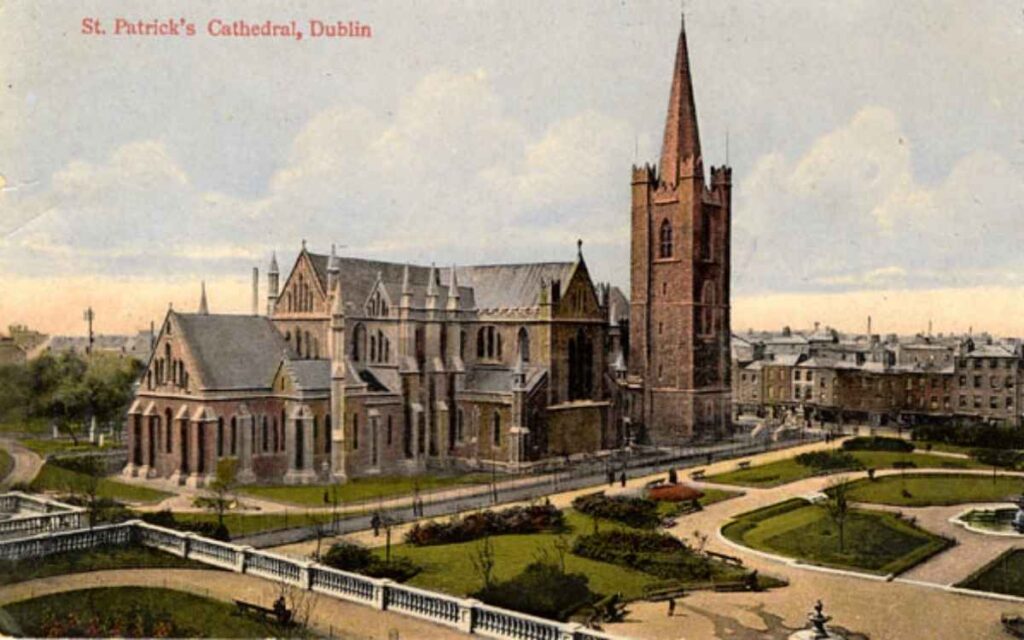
{"x": 27, "y": 463}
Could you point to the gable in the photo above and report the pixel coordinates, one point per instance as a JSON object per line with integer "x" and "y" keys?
{"x": 304, "y": 292}
{"x": 579, "y": 298}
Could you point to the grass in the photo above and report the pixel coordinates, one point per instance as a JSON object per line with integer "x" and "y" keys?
{"x": 244, "y": 524}
{"x": 97, "y": 559}
{"x": 6, "y": 464}
{"x": 360, "y": 489}
{"x": 46, "y": 446}
{"x": 924, "y": 490}
{"x": 137, "y": 612}
{"x": 789, "y": 470}
{"x": 711, "y": 496}
{"x": 943, "y": 446}
{"x": 874, "y": 541}
{"x": 54, "y": 478}
{"x": 449, "y": 567}
{"x": 1005, "y": 574}
{"x": 35, "y": 426}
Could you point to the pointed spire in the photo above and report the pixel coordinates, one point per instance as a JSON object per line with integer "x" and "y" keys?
{"x": 579, "y": 249}
{"x": 453, "y": 284}
{"x": 338, "y": 306}
{"x": 273, "y": 264}
{"x": 203, "y": 307}
{"x": 682, "y": 141}
{"x": 432, "y": 281}
{"x": 333, "y": 264}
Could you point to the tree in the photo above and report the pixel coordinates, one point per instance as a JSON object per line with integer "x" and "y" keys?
{"x": 221, "y": 488}
{"x": 483, "y": 560}
{"x": 838, "y": 506}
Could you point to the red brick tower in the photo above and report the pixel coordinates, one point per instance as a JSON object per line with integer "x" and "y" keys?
{"x": 679, "y": 324}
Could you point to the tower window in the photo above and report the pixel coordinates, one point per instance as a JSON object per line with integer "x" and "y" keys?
{"x": 665, "y": 237}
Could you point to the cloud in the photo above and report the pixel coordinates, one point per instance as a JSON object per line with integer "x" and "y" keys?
{"x": 848, "y": 213}
{"x": 448, "y": 175}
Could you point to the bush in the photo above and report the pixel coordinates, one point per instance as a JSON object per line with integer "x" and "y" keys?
{"x": 828, "y": 460}
{"x": 878, "y": 443}
{"x": 639, "y": 513}
{"x": 971, "y": 435}
{"x": 531, "y": 519}
{"x": 658, "y": 554}
{"x": 351, "y": 557}
{"x": 997, "y": 457}
{"x": 166, "y": 519}
{"x": 541, "y": 590}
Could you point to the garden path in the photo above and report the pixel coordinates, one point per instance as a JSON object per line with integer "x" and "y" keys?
{"x": 327, "y": 615}
{"x": 27, "y": 463}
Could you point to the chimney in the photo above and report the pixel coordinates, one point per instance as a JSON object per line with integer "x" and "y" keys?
{"x": 255, "y": 291}
{"x": 869, "y": 325}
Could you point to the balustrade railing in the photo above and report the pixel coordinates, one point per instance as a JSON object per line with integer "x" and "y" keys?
{"x": 468, "y": 616}
{"x": 350, "y": 586}
{"x": 423, "y": 603}
{"x": 33, "y": 514}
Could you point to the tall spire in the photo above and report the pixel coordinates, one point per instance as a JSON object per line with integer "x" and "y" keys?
{"x": 681, "y": 143}
{"x": 203, "y": 307}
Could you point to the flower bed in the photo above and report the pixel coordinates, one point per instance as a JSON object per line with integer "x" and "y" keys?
{"x": 531, "y": 519}
{"x": 634, "y": 512}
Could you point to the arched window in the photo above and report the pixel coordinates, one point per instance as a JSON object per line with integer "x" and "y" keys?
{"x": 481, "y": 342}
{"x": 463, "y": 338}
{"x": 316, "y": 431}
{"x": 488, "y": 343}
{"x": 707, "y": 312}
{"x": 665, "y": 238}
{"x": 581, "y": 366}
{"x": 167, "y": 430}
{"x": 496, "y": 429}
{"x": 274, "y": 434}
{"x": 358, "y": 342}
{"x": 265, "y": 434}
{"x": 328, "y": 436}
{"x": 298, "y": 341}
{"x": 234, "y": 435}
{"x": 524, "y": 344}
{"x": 355, "y": 431}
{"x": 309, "y": 345}
{"x": 460, "y": 425}
{"x": 373, "y": 348}
{"x": 220, "y": 437}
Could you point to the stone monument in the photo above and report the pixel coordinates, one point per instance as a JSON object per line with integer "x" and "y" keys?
{"x": 817, "y": 629}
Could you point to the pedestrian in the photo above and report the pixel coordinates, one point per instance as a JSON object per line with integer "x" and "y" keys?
{"x": 375, "y": 523}
{"x": 622, "y": 479}
{"x": 671, "y": 607}
{"x": 611, "y": 477}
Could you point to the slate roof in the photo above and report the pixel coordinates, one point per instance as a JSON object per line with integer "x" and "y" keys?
{"x": 310, "y": 375}
{"x": 991, "y": 351}
{"x": 498, "y": 286}
{"x": 233, "y": 351}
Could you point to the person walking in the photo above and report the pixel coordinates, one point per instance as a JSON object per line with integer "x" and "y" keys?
{"x": 375, "y": 523}
{"x": 671, "y": 607}
{"x": 622, "y": 479}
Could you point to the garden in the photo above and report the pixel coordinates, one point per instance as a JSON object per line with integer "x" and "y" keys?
{"x": 1004, "y": 575}
{"x": 836, "y": 536}
{"x": 132, "y": 612}
{"x": 852, "y": 458}
{"x": 936, "y": 489}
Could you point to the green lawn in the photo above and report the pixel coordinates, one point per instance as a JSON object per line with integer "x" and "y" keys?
{"x": 875, "y": 542}
{"x": 37, "y": 426}
{"x": 243, "y": 524}
{"x": 98, "y": 559}
{"x": 54, "y": 478}
{"x": 449, "y": 567}
{"x": 943, "y": 446}
{"x": 360, "y": 489}
{"x": 711, "y": 496}
{"x": 936, "y": 489}
{"x": 785, "y": 471}
{"x": 46, "y": 446}
{"x": 1005, "y": 574}
{"x": 134, "y": 612}
{"x": 6, "y": 464}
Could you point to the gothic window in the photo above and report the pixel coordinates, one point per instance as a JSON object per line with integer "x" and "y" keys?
{"x": 488, "y": 343}
{"x": 316, "y": 347}
{"x": 234, "y": 435}
{"x": 355, "y": 431}
{"x": 316, "y": 431}
{"x": 707, "y": 311}
{"x": 462, "y": 344}
{"x": 389, "y": 431}
{"x": 167, "y": 428}
{"x": 420, "y": 342}
{"x": 373, "y": 348}
{"x": 358, "y": 342}
{"x": 298, "y": 341}
{"x": 581, "y": 366}
{"x": 275, "y": 433}
{"x": 496, "y": 429}
{"x": 665, "y": 239}
{"x": 264, "y": 434}
{"x": 459, "y": 425}
{"x": 481, "y": 339}
{"x": 524, "y": 344}
{"x": 328, "y": 436}
{"x": 309, "y": 344}
{"x": 220, "y": 437}
{"x": 706, "y": 233}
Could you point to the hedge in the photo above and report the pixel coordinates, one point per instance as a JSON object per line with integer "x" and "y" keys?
{"x": 878, "y": 443}
{"x": 639, "y": 513}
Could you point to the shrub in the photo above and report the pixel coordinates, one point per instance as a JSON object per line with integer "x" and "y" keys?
{"x": 878, "y": 443}
{"x": 530, "y": 519}
{"x": 634, "y": 512}
{"x": 541, "y": 590}
{"x": 658, "y": 554}
{"x": 971, "y": 435}
{"x": 356, "y": 559}
{"x": 828, "y": 460}
{"x": 997, "y": 457}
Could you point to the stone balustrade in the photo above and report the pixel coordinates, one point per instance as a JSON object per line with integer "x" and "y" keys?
{"x": 469, "y": 616}
{"x": 34, "y": 514}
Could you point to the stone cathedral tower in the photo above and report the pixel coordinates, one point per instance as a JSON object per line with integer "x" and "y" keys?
{"x": 678, "y": 376}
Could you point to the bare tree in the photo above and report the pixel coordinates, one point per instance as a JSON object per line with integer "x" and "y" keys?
{"x": 294, "y": 610}
{"x": 221, "y": 488}
{"x": 563, "y": 544}
{"x": 838, "y": 506}
{"x": 483, "y": 560}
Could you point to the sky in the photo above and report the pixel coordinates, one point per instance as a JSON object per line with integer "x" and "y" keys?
{"x": 877, "y": 147}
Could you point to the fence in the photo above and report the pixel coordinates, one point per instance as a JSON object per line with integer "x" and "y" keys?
{"x": 466, "y": 615}
{"x": 32, "y": 514}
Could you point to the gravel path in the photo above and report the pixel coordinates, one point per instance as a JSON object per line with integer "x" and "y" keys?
{"x": 27, "y": 463}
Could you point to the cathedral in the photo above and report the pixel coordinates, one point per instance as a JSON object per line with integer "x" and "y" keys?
{"x": 361, "y": 367}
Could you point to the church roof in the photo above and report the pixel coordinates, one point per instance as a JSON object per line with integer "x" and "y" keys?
{"x": 233, "y": 351}
{"x": 310, "y": 375}
{"x": 498, "y": 286}
{"x": 681, "y": 142}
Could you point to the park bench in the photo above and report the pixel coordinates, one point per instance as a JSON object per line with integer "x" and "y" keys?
{"x": 697, "y": 474}
{"x": 725, "y": 558}
{"x": 743, "y": 464}
{"x": 662, "y": 591}
{"x": 264, "y": 612}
